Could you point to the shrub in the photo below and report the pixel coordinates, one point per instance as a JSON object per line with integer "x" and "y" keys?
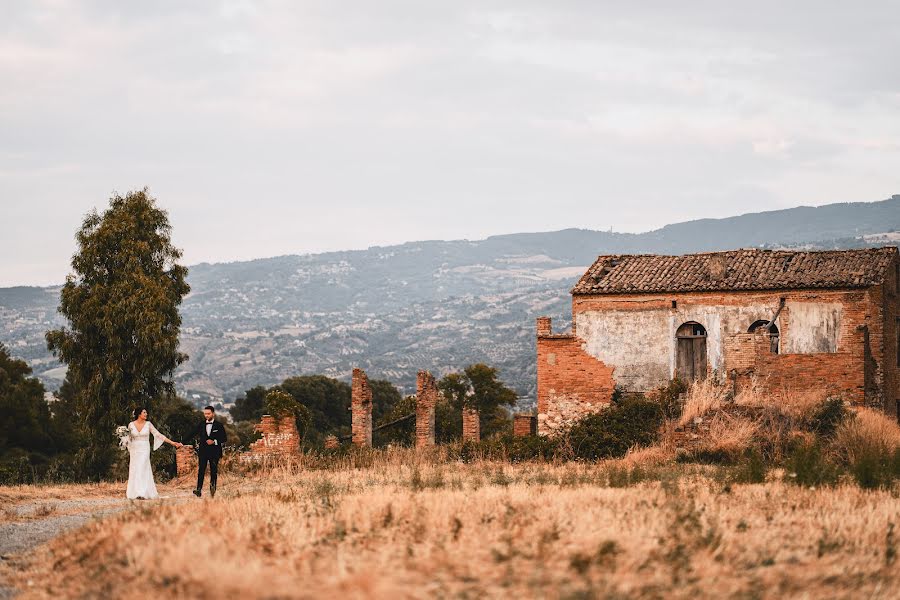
{"x": 827, "y": 416}
{"x": 506, "y": 448}
{"x": 752, "y": 469}
{"x": 809, "y": 467}
{"x": 867, "y": 433}
{"x": 669, "y": 398}
{"x": 873, "y": 470}
{"x": 611, "y": 432}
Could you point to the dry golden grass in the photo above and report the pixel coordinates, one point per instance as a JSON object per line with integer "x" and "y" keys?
{"x": 866, "y": 431}
{"x": 409, "y": 527}
{"x": 729, "y": 434}
{"x": 701, "y": 398}
{"x": 16, "y": 494}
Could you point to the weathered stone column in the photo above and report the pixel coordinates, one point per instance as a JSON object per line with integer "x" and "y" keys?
{"x": 471, "y": 426}
{"x": 361, "y": 409}
{"x": 426, "y": 399}
{"x": 524, "y": 425}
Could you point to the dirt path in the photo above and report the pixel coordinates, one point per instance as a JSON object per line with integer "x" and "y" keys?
{"x": 31, "y": 523}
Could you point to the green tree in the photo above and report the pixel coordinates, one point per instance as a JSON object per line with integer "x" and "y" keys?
{"x": 328, "y": 401}
{"x": 121, "y": 303}
{"x": 401, "y": 433}
{"x": 25, "y": 421}
{"x": 385, "y": 396}
{"x": 249, "y": 407}
{"x": 479, "y": 386}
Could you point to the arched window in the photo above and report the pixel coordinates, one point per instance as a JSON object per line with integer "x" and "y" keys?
{"x": 690, "y": 351}
{"x": 773, "y": 332}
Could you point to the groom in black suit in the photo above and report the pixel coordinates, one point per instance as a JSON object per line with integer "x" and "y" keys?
{"x": 212, "y": 437}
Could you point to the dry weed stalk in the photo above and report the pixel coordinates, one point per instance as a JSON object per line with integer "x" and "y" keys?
{"x": 702, "y": 397}
{"x": 867, "y": 431}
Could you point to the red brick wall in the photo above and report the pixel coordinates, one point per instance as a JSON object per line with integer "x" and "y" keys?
{"x": 280, "y": 439}
{"x": 524, "y": 425}
{"x": 863, "y": 369}
{"x": 471, "y": 427}
{"x": 889, "y": 293}
{"x": 571, "y": 383}
{"x": 361, "y": 409}
{"x": 426, "y": 400}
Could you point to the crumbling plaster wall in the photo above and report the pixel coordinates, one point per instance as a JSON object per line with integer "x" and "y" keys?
{"x": 636, "y": 335}
{"x": 640, "y": 344}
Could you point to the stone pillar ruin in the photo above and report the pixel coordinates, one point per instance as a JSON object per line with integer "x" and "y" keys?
{"x": 524, "y": 425}
{"x": 471, "y": 427}
{"x": 361, "y": 409}
{"x": 426, "y": 400}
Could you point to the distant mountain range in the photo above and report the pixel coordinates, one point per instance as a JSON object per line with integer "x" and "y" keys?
{"x": 436, "y": 305}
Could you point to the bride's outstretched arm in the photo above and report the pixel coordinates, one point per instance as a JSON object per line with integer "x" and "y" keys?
{"x": 158, "y": 436}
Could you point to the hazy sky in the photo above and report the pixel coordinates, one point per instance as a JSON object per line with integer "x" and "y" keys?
{"x": 270, "y": 128}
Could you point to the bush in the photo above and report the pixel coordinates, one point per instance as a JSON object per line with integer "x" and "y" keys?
{"x": 866, "y": 434}
{"x": 809, "y": 467}
{"x": 873, "y": 469}
{"x": 612, "y": 431}
{"x": 506, "y": 448}
{"x": 670, "y": 398}
{"x": 752, "y": 469}
{"x": 827, "y": 416}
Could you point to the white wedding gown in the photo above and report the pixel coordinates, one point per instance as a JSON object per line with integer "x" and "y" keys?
{"x": 140, "y": 474}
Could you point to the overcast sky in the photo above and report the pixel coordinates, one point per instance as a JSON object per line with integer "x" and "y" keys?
{"x": 270, "y": 128}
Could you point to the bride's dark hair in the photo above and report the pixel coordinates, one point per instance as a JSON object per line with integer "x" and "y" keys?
{"x": 137, "y": 412}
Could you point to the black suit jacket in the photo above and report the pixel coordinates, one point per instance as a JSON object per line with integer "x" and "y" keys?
{"x": 217, "y": 434}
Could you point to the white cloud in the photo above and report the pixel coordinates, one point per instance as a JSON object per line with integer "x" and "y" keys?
{"x": 279, "y": 126}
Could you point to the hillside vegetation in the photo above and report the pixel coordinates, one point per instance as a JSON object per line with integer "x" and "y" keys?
{"x": 433, "y": 304}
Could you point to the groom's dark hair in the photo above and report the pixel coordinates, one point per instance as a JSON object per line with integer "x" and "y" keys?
{"x": 209, "y": 408}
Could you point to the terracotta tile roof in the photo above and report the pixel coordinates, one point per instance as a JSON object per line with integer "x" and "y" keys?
{"x": 751, "y": 269}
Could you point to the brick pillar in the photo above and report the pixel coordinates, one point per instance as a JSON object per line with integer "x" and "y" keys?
{"x": 185, "y": 461}
{"x": 361, "y": 409}
{"x": 524, "y": 425}
{"x": 544, "y": 327}
{"x": 471, "y": 425}
{"x": 426, "y": 399}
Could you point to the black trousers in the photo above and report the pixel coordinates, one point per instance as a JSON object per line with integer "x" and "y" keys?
{"x": 213, "y": 470}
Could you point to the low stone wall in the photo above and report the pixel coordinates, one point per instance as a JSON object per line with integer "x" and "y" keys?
{"x": 280, "y": 439}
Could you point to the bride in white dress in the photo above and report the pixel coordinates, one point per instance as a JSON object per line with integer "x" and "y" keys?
{"x": 140, "y": 474}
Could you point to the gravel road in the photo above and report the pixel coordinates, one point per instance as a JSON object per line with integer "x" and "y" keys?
{"x": 45, "y": 520}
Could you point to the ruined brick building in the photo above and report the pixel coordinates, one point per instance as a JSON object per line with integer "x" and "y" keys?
{"x": 787, "y": 319}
